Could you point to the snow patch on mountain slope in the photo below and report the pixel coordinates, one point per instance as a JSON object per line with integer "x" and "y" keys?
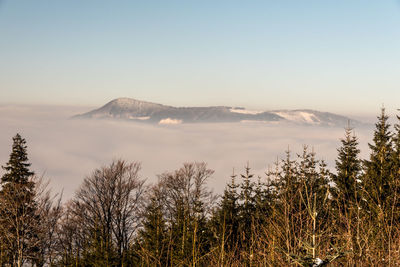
{"x": 139, "y": 118}
{"x": 125, "y": 102}
{"x": 244, "y": 111}
{"x": 299, "y": 116}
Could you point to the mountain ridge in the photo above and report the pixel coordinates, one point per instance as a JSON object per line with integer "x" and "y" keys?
{"x": 144, "y": 111}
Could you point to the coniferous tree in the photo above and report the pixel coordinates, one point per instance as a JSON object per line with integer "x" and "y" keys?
{"x": 247, "y": 209}
{"x": 378, "y": 180}
{"x": 152, "y": 241}
{"x": 393, "y": 203}
{"x": 308, "y": 213}
{"x": 18, "y": 219}
{"x": 396, "y": 149}
{"x": 263, "y": 199}
{"x": 378, "y": 168}
{"x": 395, "y": 180}
{"x": 17, "y": 168}
{"x": 287, "y": 203}
{"x": 229, "y": 213}
{"x": 225, "y": 224}
{"x": 347, "y": 192}
{"x": 348, "y": 168}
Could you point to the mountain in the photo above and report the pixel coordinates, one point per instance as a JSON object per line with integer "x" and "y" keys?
{"x": 313, "y": 117}
{"x": 142, "y": 111}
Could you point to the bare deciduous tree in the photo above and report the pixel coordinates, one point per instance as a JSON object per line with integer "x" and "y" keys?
{"x": 107, "y": 206}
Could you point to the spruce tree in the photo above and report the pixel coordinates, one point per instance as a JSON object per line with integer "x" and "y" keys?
{"x": 396, "y": 147}
{"x": 153, "y": 237}
{"x": 393, "y": 201}
{"x": 17, "y": 168}
{"x": 312, "y": 214}
{"x": 348, "y": 168}
{"x": 288, "y": 201}
{"x": 225, "y": 222}
{"x": 18, "y": 218}
{"x": 395, "y": 180}
{"x": 263, "y": 200}
{"x": 247, "y": 210}
{"x": 378, "y": 185}
{"x": 379, "y": 167}
{"x": 347, "y": 190}
{"x": 313, "y": 176}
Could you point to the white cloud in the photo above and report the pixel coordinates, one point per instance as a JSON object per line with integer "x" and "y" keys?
{"x": 67, "y": 150}
{"x": 170, "y": 121}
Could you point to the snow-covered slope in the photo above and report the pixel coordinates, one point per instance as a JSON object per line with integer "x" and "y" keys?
{"x": 136, "y": 110}
{"x": 126, "y": 108}
{"x": 313, "y": 117}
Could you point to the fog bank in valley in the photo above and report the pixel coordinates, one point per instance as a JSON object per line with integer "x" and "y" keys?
{"x": 65, "y": 150}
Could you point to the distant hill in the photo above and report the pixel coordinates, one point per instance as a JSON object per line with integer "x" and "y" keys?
{"x": 142, "y": 111}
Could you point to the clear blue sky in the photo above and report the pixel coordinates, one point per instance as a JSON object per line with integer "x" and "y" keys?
{"x": 333, "y": 55}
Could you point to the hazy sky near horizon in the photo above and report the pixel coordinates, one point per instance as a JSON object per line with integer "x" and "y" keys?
{"x": 339, "y": 56}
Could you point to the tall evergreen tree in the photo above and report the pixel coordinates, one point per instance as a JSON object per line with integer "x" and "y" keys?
{"x": 396, "y": 169}
{"x": 396, "y": 148}
{"x": 378, "y": 181}
{"x": 393, "y": 201}
{"x": 17, "y": 168}
{"x": 379, "y": 167}
{"x": 288, "y": 201}
{"x": 264, "y": 199}
{"x": 310, "y": 207}
{"x": 225, "y": 222}
{"x": 153, "y": 237}
{"x": 247, "y": 210}
{"x": 18, "y": 219}
{"x": 396, "y": 145}
{"x": 347, "y": 192}
{"x": 348, "y": 168}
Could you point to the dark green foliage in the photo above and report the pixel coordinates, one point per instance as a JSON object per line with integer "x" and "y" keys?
{"x": 395, "y": 179}
{"x": 225, "y": 221}
{"x": 17, "y": 168}
{"x": 152, "y": 241}
{"x": 314, "y": 175}
{"x": 303, "y": 204}
{"x": 348, "y": 191}
{"x": 396, "y": 148}
{"x": 247, "y": 210}
{"x": 18, "y": 218}
{"x": 378, "y": 169}
{"x": 287, "y": 202}
{"x": 264, "y": 201}
{"x": 348, "y": 167}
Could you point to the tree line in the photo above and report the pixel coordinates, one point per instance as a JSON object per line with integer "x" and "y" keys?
{"x": 300, "y": 213}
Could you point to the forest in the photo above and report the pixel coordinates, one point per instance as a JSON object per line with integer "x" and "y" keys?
{"x": 299, "y": 213}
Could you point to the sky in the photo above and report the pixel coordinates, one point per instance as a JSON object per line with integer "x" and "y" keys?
{"x": 340, "y": 56}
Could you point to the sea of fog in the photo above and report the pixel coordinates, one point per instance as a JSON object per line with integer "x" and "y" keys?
{"x": 65, "y": 150}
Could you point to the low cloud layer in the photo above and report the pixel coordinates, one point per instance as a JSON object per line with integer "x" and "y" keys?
{"x": 66, "y": 150}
